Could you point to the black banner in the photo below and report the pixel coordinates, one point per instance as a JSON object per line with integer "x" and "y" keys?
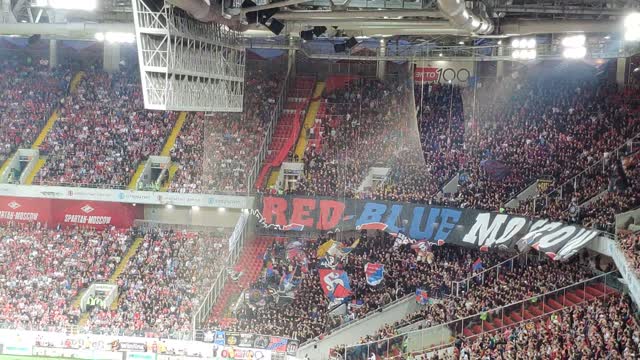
{"x": 466, "y": 227}
{"x": 246, "y": 340}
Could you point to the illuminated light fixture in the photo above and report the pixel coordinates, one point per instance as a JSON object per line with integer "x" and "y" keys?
{"x": 116, "y": 37}
{"x": 440, "y": 54}
{"x": 524, "y": 49}
{"x": 195, "y": 208}
{"x": 574, "y": 47}
{"x": 632, "y": 27}
{"x": 169, "y": 206}
{"x": 575, "y": 52}
{"x": 574, "y": 41}
{"x": 86, "y": 5}
{"x": 460, "y": 42}
{"x": 222, "y": 209}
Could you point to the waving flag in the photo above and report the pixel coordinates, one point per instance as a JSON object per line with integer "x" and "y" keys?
{"x": 477, "y": 265}
{"x": 374, "y": 273}
{"x": 335, "y": 283}
{"x": 324, "y": 248}
{"x": 422, "y": 297}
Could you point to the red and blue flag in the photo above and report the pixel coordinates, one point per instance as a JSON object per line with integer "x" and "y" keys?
{"x": 374, "y": 273}
{"x": 477, "y": 265}
{"x": 422, "y": 297}
{"x": 335, "y": 284}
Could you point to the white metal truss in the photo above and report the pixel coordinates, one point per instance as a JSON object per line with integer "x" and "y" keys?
{"x": 187, "y": 65}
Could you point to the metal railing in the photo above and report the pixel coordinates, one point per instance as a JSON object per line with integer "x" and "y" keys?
{"x": 584, "y": 175}
{"x": 217, "y": 287}
{"x": 458, "y": 287}
{"x": 444, "y": 334}
{"x": 266, "y": 140}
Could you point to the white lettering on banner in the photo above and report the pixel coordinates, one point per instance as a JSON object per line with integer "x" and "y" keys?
{"x": 578, "y": 241}
{"x": 556, "y": 237}
{"x": 85, "y": 219}
{"x": 18, "y": 215}
{"x": 485, "y": 233}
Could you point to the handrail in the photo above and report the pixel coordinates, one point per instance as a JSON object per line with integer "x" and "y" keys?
{"x": 535, "y": 297}
{"x": 481, "y": 273}
{"x": 365, "y": 317}
{"x": 266, "y": 140}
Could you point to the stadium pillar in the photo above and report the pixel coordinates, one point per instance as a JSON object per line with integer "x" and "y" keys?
{"x": 621, "y": 71}
{"x": 111, "y": 57}
{"x": 382, "y": 64}
{"x": 500, "y": 64}
{"x": 53, "y": 53}
{"x": 292, "y": 54}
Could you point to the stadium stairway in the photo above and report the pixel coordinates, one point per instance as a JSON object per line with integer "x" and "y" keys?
{"x": 136, "y": 176}
{"x": 288, "y": 127}
{"x": 250, "y": 263}
{"x": 133, "y": 249}
{"x": 171, "y": 140}
{"x": 73, "y": 87}
{"x": 173, "y": 169}
{"x": 534, "y": 310}
{"x": 310, "y": 119}
{"x": 6, "y": 162}
{"x": 32, "y": 175}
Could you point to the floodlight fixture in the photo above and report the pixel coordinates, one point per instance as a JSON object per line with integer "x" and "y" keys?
{"x": 574, "y": 41}
{"x": 116, "y": 37}
{"x": 575, "y": 52}
{"x": 632, "y": 27}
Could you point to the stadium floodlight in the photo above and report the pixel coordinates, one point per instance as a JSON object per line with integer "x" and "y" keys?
{"x": 116, "y": 37}
{"x": 575, "y": 52}
{"x": 524, "y": 49}
{"x": 632, "y": 27}
{"x": 574, "y": 47}
{"x": 574, "y": 41}
{"x": 86, "y": 5}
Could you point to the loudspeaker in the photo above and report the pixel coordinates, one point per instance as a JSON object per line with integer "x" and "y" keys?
{"x": 275, "y": 26}
{"x": 252, "y": 17}
{"x": 339, "y": 47}
{"x": 351, "y": 42}
{"x": 306, "y": 35}
{"x": 319, "y": 30}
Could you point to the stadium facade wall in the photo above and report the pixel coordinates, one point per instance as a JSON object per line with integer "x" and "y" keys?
{"x": 54, "y": 212}
{"x": 221, "y": 217}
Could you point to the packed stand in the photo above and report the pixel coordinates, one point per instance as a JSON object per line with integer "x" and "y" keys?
{"x": 217, "y": 152}
{"x": 163, "y": 284}
{"x": 630, "y": 243}
{"x": 103, "y": 133}
{"x": 28, "y": 96}
{"x": 43, "y": 270}
{"x": 441, "y": 135}
{"x": 601, "y": 329}
{"x": 306, "y": 316}
{"x": 362, "y": 127}
{"x": 546, "y": 129}
{"x": 517, "y": 281}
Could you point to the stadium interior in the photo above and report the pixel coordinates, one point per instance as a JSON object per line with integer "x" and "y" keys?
{"x": 319, "y": 179}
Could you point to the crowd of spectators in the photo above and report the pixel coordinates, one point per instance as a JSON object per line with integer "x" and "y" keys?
{"x": 516, "y": 280}
{"x": 600, "y": 329}
{"x": 29, "y": 93}
{"x": 630, "y": 243}
{"x": 363, "y": 125}
{"x": 163, "y": 284}
{"x": 103, "y": 133}
{"x": 218, "y": 151}
{"x": 307, "y": 315}
{"x": 43, "y": 270}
